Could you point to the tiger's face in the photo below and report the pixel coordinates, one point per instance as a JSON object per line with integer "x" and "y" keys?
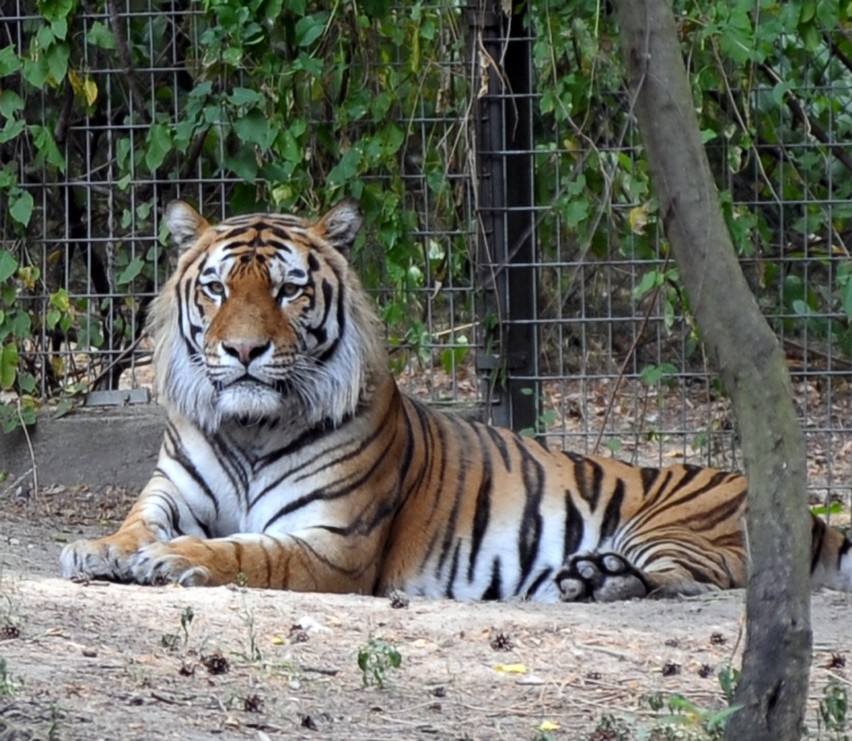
{"x": 260, "y": 320}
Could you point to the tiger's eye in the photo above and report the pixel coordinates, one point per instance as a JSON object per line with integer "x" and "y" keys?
{"x": 288, "y": 290}
{"x": 215, "y": 288}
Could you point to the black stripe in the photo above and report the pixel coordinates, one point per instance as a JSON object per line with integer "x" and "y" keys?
{"x": 179, "y": 454}
{"x": 421, "y": 418}
{"x": 612, "y": 515}
{"x": 329, "y": 353}
{"x": 588, "y": 474}
{"x": 233, "y": 465}
{"x": 649, "y": 477}
{"x": 308, "y": 437}
{"x": 481, "y": 515}
{"x": 499, "y": 442}
{"x": 495, "y": 586}
{"x": 537, "y": 582}
{"x": 458, "y": 495}
{"x": 817, "y": 536}
{"x": 454, "y": 568}
{"x": 339, "y": 490}
{"x": 529, "y": 534}
{"x": 574, "y": 527}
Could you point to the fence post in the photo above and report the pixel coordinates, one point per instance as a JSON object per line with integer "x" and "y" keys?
{"x": 506, "y": 244}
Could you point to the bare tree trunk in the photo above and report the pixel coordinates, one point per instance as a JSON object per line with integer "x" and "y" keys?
{"x": 774, "y": 682}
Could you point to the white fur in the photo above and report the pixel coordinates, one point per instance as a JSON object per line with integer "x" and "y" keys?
{"x": 320, "y": 392}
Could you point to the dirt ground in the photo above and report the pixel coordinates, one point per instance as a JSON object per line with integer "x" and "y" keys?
{"x": 107, "y": 661}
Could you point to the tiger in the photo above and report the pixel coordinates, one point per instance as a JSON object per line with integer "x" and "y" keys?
{"x": 292, "y": 460}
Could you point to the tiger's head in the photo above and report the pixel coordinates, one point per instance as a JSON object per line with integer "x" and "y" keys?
{"x": 263, "y": 320}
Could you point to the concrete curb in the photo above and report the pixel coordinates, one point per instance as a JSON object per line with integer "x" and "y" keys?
{"x": 90, "y": 447}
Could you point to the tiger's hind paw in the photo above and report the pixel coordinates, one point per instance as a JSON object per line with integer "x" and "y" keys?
{"x": 600, "y": 577}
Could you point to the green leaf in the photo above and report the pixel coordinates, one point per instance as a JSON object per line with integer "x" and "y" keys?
{"x": 57, "y": 61}
{"x": 11, "y": 130}
{"x": 309, "y": 29}
{"x": 101, "y": 36}
{"x": 35, "y": 72}
{"x": 847, "y": 298}
{"x": 46, "y": 146}
{"x": 8, "y": 366}
{"x": 309, "y": 64}
{"x": 22, "y": 206}
{"x": 10, "y": 103}
{"x": 60, "y": 28}
{"x": 54, "y": 10}
{"x": 243, "y": 164}
{"x": 27, "y": 382}
{"x": 65, "y": 405}
{"x": 159, "y": 143}
{"x": 10, "y": 62}
{"x": 346, "y": 168}
{"x": 133, "y": 269}
{"x": 576, "y": 212}
{"x": 254, "y": 128}
{"x": 8, "y": 265}
{"x": 649, "y": 281}
{"x": 245, "y": 96}
{"x": 653, "y": 374}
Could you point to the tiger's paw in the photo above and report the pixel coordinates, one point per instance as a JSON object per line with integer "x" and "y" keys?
{"x": 104, "y": 558}
{"x": 169, "y": 563}
{"x": 599, "y": 577}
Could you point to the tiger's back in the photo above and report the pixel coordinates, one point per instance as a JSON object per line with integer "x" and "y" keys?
{"x": 291, "y": 459}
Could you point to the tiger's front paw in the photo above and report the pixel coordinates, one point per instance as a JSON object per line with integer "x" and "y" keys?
{"x": 104, "y": 558}
{"x": 172, "y": 562}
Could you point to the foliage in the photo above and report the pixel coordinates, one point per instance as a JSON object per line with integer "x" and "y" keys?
{"x": 375, "y": 659}
{"x": 294, "y": 104}
{"x": 278, "y": 104}
{"x": 171, "y": 640}
{"x": 833, "y": 710}
{"x": 772, "y": 88}
{"x": 683, "y": 719}
{"x": 5, "y": 682}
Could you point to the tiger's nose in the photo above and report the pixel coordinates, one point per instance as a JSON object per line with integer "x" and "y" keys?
{"x": 246, "y": 350}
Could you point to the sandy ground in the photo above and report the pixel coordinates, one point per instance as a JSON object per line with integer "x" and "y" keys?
{"x": 107, "y": 661}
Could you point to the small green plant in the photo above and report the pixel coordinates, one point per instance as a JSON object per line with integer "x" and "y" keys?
{"x": 5, "y": 681}
{"x": 611, "y": 728}
{"x": 171, "y": 640}
{"x": 833, "y": 709}
{"x": 56, "y": 714}
{"x": 375, "y": 659}
{"x": 685, "y": 720}
{"x": 729, "y": 679}
{"x": 252, "y": 652}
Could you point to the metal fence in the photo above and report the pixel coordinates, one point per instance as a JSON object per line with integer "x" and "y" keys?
{"x": 558, "y": 313}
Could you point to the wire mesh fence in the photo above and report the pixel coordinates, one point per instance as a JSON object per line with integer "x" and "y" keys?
{"x": 512, "y": 241}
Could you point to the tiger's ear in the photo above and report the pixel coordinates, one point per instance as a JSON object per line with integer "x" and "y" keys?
{"x": 184, "y": 223}
{"x": 340, "y": 226}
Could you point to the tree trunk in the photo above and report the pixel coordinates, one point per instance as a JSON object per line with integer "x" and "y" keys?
{"x": 774, "y": 683}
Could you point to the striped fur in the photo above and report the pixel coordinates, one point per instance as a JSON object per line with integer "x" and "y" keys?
{"x": 291, "y": 460}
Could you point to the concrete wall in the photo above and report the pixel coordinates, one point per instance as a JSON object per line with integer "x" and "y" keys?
{"x": 96, "y": 447}
{"x": 92, "y": 447}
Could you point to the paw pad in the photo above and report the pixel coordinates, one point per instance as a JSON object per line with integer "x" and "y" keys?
{"x": 601, "y": 577}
